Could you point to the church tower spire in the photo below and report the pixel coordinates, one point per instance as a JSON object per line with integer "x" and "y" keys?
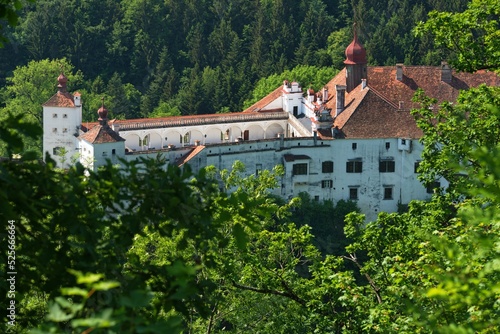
{"x": 355, "y": 62}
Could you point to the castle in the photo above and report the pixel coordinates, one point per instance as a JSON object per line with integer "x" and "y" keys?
{"x": 355, "y": 139}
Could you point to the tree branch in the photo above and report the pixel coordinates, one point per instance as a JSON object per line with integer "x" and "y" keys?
{"x": 287, "y": 294}
{"x": 352, "y": 258}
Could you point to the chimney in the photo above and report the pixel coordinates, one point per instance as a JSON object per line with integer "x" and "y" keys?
{"x": 399, "y": 72}
{"x": 77, "y": 99}
{"x": 340, "y": 93}
{"x": 445, "y": 72}
{"x": 325, "y": 94}
{"x": 363, "y": 84}
{"x": 319, "y": 98}
{"x": 115, "y": 126}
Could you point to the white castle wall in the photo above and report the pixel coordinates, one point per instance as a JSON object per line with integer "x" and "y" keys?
{"x": 370, "y": 183}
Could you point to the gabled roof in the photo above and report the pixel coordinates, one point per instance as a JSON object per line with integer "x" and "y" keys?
{"x": 382, "y": 108}
{"x": 101, "y": 134}
{"x": 60, "y": 99}
{"x": 428, "y": 78}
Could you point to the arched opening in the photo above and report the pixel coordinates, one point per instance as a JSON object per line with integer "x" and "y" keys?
{"x": 172, "y": 137}
{"x": 154, "y": 141}
{"x": 213, "y": 135}
{"x": 132, "y": 142}
{"x": 255, "y": 132}
{"x": 273, "y": 130}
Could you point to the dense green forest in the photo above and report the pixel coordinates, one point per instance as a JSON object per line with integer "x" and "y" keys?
{"x": 142, "y": 249}
{"x": 157, "y": 57}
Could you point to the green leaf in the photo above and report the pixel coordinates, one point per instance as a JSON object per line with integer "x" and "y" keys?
{"x": 56, "y": 314}
{"x": 240, "y": 236}
{"x": 74, "y": 291}
{"x": 106, "y": 285}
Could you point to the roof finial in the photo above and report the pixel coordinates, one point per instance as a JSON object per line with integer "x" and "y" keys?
{"x": 62, "y": 80}
{"x": 355, "y": 33}
{"x": 103, "y": 113}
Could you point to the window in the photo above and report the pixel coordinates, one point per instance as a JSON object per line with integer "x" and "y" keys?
{"x": 300, "y": 169}
{"x": 403, "y": 142}
{"x": 327, "y": 184}
{"x": 353, "y": 193}
{"x": 258, "y": 169}
{"x": 187, "y": 138}
{"x": 316, "y": 198}
{"x": 295, "y": 111}
{"x": 65, "y": 130}
{"x": 327, "y": 167}
{"x": 354, "y": 166}
{"x": 65, "y": 115}
{"x": 386, "y": 166}
{"x": 387, "y": 145}
{"x": 433, "y": 186}
{"x": 58, "y": 150}
{"x": 416, "y": 166}
{"x": 354, "y": 146}
{"x": 113, "y": 151}
{"x": 387, "y": 192}
{"x": 54, "y": 115}
{"x": 54, "y": 130}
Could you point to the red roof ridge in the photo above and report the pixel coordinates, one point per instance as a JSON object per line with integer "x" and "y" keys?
{"x": 383, "y": 97}
{"x": 257, "y": 106}
{"x": 190, "y": 155}
{"x": 101, "y": 134}
{"x": 60, "y": 99}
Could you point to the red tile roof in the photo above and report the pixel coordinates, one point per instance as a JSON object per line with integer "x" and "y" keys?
{"x": 100, "y": 134}
{"x": 190, "y": 155}
{"x": 262, "y": 103}
{"x": 382, "y": 109}
{"x": 60, "y": 99}
{"x": 191, "y": 120}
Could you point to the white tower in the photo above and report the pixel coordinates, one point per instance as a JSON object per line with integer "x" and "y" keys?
{"x": 292, "y": 98}
{"x": 62, "y": 117}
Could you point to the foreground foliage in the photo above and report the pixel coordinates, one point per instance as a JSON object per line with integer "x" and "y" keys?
{"x": 144, "y": 249}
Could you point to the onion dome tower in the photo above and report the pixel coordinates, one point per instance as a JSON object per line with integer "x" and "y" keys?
{"x": 355, "y": 62}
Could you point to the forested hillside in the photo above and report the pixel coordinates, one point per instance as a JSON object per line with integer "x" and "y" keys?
{"x": 157, "y": 57}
